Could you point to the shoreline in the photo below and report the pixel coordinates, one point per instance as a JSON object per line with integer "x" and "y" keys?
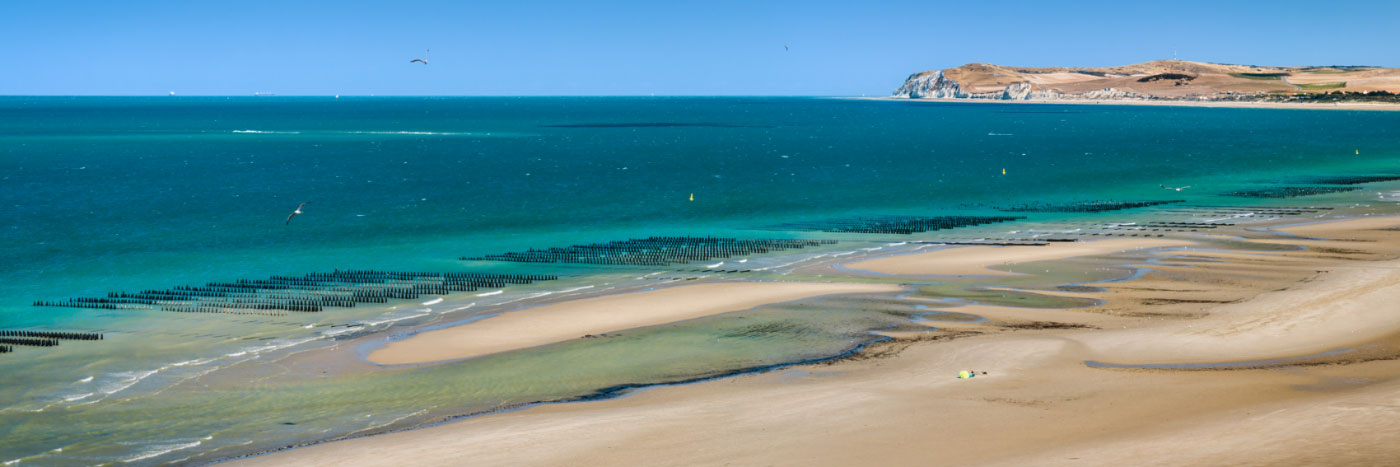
{"x": 1160, "y": 103}
{"x": 553, "y": 434}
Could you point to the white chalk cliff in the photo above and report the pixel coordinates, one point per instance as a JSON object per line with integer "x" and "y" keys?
{"x": 934, "y": 84}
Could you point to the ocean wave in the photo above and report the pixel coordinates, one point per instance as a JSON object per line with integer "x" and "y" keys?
{"x": 78, "y": 397}
{"x": 262, "y": 132}
{"x": 337, "y": 332}
{"x": 159, "y": 449}
{"x": 128, "y": 379}
{"x": 460, "y": 308}
{"x": 543, "y": 294}
{"x": 488, "y": 294}
{"x": 394, "y": 320}
{"x": 433, "y": 301}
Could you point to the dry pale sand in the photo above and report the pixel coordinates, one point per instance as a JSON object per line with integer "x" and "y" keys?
{"x": 564, "y": 321}
{"x": 1039, "y": 404}
{"x": 975, "y": 260}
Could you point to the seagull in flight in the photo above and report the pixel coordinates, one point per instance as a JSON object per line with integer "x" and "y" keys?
{"x": 1174, "y": 188}
{"x": 294, "y": 213}
{"x": 422, "y": 60}
{"x": 785, "y": 47}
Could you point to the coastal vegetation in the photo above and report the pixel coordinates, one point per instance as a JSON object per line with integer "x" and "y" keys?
{"x": 1322, "y": 86}
{"x": 1261, "y": 76}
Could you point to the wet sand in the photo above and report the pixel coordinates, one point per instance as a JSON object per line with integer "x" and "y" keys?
{"x": 976, "y": 260}
{"x": 899, "y": 403}
{"x": 574, "y": 319}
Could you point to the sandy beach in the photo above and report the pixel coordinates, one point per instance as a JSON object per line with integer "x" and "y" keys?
{"x": 1039, "y": 403}
{"x": 594, "y": 316}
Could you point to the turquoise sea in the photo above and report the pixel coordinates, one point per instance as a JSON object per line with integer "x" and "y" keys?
{"x": 106, "y": 194}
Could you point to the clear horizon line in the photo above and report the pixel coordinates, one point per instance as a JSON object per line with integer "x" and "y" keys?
{"x": 437, "y": 95}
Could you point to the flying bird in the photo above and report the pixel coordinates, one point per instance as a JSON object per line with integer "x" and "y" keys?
{"x": 423, "y": 60}
{"x": 294, "y": 213}
{"x": 785, "y": 47}
{"x": 1174, "y": 188}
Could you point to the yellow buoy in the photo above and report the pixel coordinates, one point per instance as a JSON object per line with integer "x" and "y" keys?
{"x": 692, "y": 196}
{"x": 1358, "y": 152}
{"x": 1003, "y": 171}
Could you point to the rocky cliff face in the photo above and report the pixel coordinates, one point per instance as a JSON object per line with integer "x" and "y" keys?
{"x": 934, "y": 84}
{"x": 930, "y": 84}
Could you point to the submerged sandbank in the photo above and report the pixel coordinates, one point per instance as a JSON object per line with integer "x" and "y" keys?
{"x": 977, "y": 260}
{"x": 593, "y": 316}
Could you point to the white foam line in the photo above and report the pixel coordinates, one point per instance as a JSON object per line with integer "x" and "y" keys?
{"x": 712, "y": 266}
{"x": 78, "y": 397}
{"x": 166, "y": 448}
{"x": 460, "y": 308}
{"x": 85, "y": 380}
{"x": 433, "y": 302}
{"x": 338, "y": 332}
{"x": 488, "y": 294}
{"x": 132, "y": 379}
{"x": 393, "y": 320}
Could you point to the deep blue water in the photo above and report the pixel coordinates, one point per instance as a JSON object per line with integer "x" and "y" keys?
{"x": 105, "y": 193}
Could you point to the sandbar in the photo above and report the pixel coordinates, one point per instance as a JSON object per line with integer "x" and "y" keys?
{"x": 573, "y": 319}
{"x": 976, "y": 260}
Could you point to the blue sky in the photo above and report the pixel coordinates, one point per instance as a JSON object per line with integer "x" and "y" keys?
{"x": 638, "y": 48}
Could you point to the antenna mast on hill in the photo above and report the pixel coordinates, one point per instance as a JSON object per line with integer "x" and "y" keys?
{"x": 1173, "y": 54}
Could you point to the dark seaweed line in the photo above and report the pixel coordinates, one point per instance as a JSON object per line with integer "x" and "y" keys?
{"x": 307, "y": 293}
{"x": 606, "y": 393}
{"x": 904, "y": 225}
{"x": 1347, "y": 179}
{"x": 64, "y": 335}
{"x": 1290, "y": 191}
{"x": 1085, "y": 206}
{"x": 651, "y": 251}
